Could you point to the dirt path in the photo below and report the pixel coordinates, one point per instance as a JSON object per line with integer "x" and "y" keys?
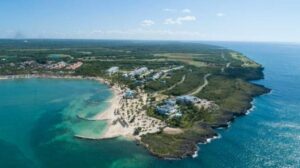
{"x": 176, "y": 84}
{"x": 200, "y": 88}
{"x": 172, "y": 131}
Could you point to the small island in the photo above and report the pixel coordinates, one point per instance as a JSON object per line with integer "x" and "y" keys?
{"x": 168, "y": 96}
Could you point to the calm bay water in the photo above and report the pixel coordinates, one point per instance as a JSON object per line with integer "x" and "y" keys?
{"x": 38, "y": 121}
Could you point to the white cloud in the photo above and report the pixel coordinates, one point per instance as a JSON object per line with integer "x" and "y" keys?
{"x": 170, "y": 21}
{"x": 220, "y": 14}
{"x": 180, "y": 20}
{"x": 186, "y": 10}
{"x": 169, "y": 10}
{"x": 147, "y": 22}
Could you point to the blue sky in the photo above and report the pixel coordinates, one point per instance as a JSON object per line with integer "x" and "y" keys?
{"x": 229, "y": 20}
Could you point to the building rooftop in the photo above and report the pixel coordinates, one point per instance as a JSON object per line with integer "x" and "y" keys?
{"x": 187, "y": 99}
{"x": 113, "y": 70}
{"x": 129, "y": 94}
{"x": 138, "y": 71}
{"x": 169, "y": 108}
{"x": 166, "y": 109}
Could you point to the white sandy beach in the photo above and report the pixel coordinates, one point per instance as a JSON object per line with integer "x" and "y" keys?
{"x": 114, "y": 129}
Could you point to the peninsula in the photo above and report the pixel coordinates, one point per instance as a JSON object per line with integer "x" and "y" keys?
{"x": 168, "y": 96}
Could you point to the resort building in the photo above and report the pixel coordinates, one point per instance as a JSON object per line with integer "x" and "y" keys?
{"x": 157, "y": 75}
{"x": 125, "y": 75}
{"x": 166, "y": 109}
{"x": 74, "y": 66}
{"x": 187, "y": 99}
{"x": 58, "y": 65}
{"x": 113, "y": 70}
{"x": 28, "y": 63}
{"x": 169, "y": 108}
{"x": 138, "y": 72}
{"x": 129, "y": 94}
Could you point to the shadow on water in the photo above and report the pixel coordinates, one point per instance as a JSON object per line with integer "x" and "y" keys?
{"x": 11, "y": 156}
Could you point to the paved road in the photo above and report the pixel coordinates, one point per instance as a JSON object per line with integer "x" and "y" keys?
{"x": 200, "y": 88}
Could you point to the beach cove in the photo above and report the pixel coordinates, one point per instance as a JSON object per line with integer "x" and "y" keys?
{"x": 122, "y": 115}
{"x": 90, "y": 116}
{"x": 49, "y": 114}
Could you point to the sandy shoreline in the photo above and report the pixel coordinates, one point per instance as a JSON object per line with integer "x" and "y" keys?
{"x": 114, "y": 129}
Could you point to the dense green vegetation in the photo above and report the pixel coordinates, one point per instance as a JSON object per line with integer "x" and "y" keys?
{"x": 232, "y": 95}
{"x": 179, "y": 145}
{"x": 193, "y": 79}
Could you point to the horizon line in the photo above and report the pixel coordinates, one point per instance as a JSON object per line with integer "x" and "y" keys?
{"x": 170, "y": 40}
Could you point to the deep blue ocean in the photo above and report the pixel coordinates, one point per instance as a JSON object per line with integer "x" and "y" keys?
{"x": 38, "y": 121}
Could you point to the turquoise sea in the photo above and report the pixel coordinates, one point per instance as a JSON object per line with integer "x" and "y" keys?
{"x": 38, "y": 121}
